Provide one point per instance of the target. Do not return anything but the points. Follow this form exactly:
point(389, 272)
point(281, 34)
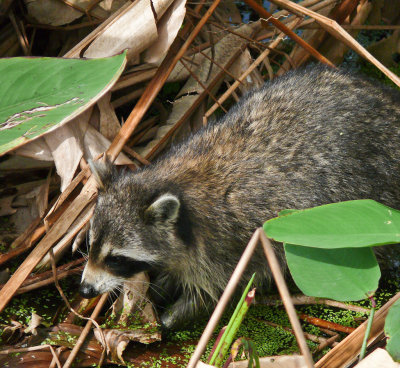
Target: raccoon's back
point(314, 136)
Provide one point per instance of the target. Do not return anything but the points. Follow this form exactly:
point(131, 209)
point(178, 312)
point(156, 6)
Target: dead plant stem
point(254, 65)
point(287, 301)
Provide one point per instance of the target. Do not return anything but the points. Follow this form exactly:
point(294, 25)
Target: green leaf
point(338, 225)
point(39, 94)
point(341, 274)
point(392, 331)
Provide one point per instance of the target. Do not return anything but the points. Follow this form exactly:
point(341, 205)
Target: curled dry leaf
point(168, 28)
point(68, 144)
point(131, 309)
point(117, 340)
point(109, 124)
point(138, 29)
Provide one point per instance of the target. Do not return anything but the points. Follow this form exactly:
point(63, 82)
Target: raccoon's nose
point(87, 290)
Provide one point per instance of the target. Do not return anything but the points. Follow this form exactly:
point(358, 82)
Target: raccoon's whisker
point(148, 283)
point(83, 254)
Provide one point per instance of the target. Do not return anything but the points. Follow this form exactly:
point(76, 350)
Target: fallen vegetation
point(185, 64)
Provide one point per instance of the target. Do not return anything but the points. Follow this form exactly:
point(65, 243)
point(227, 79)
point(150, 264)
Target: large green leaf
point(39, 94)
point(341, 274)
point(338, 225)
point(392, 331)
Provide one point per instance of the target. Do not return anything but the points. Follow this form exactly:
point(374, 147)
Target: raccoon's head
point(130, 231)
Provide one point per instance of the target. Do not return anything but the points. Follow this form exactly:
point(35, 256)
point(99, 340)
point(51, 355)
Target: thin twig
point(287, 301)
point(278, 24)
point(22, 40)
point(301, 299)
point(254, 65)
point(135, 155)
point(326, 324)
point(48, 281)
point(322, 341)
point(202, 85)
point(220, 66)
point(90, 319)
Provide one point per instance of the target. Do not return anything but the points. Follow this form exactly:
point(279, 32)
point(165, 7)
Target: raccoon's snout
point(87, 291)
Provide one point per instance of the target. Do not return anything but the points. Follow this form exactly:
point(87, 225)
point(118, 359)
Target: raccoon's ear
point(103, 172)
point(164, 208)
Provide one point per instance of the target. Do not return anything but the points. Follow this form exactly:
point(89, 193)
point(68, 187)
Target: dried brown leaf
point(109, 123)
point(135, 30)
point(168, 28)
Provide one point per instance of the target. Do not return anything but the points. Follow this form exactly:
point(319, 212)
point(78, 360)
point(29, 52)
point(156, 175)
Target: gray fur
point(311, 137)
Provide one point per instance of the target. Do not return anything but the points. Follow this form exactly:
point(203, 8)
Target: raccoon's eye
point(114, 261)
point(125, 266)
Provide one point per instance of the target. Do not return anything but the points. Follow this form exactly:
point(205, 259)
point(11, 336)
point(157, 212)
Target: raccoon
point(311, 137)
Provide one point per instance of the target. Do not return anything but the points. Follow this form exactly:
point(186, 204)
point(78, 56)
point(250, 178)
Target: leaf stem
point(368, 329)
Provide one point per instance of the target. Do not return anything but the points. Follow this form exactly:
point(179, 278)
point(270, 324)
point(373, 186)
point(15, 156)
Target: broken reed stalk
point(326, 324)
point(33, 233)
point(38, 284)
point(278, 24)
point(338, 32)
point(59, 228)
point(85, 331)
point(287, 301)
point(155, 85)
point(254, 65)
point(90, 320)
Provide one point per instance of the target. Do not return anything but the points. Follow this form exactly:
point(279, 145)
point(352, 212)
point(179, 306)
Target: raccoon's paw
point(168, 320)
point(177, 315)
